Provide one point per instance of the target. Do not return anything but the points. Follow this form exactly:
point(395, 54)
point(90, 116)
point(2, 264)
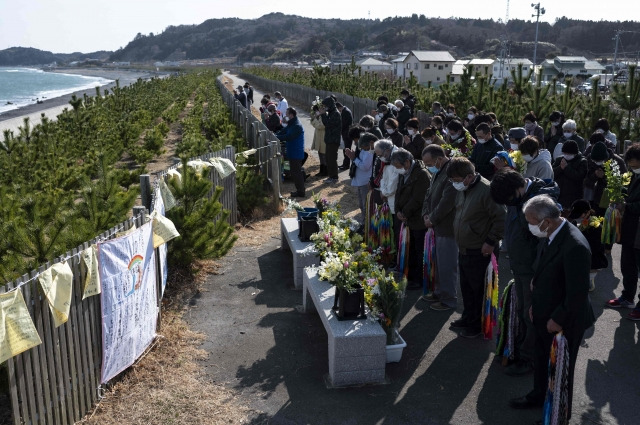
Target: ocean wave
point(61, 92)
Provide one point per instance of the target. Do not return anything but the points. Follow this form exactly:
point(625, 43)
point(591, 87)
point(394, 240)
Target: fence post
point(145, 190)
point(137, 210)
point(274, 165)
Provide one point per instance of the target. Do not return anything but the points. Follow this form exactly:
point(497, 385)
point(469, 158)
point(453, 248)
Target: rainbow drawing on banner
point(135, 264)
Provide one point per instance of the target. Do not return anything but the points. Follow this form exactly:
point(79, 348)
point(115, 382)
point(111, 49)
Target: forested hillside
point(283, 37)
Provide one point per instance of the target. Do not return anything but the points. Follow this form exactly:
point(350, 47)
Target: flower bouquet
point(323, 204)
point(519, 163)
point(384, 296)
point(614, 191)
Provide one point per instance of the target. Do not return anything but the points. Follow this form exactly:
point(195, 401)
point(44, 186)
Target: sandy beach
point(51, 108)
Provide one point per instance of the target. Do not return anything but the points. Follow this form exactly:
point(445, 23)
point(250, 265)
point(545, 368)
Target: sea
point(24, 86)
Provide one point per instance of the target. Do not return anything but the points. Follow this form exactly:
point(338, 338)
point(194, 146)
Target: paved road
point(276, 357)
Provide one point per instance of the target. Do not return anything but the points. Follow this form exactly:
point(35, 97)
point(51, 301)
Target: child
point(591, 227)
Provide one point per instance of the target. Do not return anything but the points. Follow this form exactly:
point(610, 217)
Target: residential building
point(502, 67)
point(374, 65)
point(398, 64)
point(570, 66)
point(427, 66)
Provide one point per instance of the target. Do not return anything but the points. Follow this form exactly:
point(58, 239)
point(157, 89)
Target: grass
point(166, 386)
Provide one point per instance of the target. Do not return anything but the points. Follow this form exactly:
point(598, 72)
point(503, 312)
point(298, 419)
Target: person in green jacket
point(478, 226)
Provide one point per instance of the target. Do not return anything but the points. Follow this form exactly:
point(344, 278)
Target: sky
point(65, 26)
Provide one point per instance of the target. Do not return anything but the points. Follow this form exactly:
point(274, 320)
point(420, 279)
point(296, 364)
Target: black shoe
point(525, 403)
point(343, 168)
point(459, 324)
point(297, 195)
point(519, 368)
point(470, 333)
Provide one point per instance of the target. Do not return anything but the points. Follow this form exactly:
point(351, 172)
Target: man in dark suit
point(347, 120)
point(560, 288)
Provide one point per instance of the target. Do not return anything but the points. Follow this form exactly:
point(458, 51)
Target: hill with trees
point(277, 36)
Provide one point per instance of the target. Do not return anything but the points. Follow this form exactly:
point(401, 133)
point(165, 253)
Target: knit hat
point(599, 152)
point(517, 133)
point(570, 147)
point(578, 208)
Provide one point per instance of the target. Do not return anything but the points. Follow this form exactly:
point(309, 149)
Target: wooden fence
point(304, 95)
point(58, 381)
point(268, 152)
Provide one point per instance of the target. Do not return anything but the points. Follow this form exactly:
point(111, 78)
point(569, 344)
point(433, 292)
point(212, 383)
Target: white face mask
point(401, 171)
point(383, 159)
point(636, 170)
point(471, 116)
point(390, 130)
point(569, 157)
point(482, 141)
point(449, 114)
point(535, 230)
point(514, 147)
point(379, 117)
point(284, 124)
point(555, 123)
point(411, 132)
point(599, 163)
point(600, 131)
point(454, 137)
point(567, 135)
point(527, 158)
point(459, 186)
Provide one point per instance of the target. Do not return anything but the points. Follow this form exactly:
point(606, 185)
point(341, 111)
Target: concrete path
point(276, 357)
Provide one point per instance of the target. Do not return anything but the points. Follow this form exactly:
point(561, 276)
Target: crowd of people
point(457, 181)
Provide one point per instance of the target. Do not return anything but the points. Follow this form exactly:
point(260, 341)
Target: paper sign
point(168, 199)
point(56, 284)
point(17, 331)
point(128, 300)
point(175, 174)
point(223, 166)
point(162, 249)
point(163, 229)
point(92, 280)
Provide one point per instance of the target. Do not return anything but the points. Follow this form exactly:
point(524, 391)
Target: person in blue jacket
point(293, 135)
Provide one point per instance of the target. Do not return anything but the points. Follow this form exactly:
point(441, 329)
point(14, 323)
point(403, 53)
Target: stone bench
point(289, 232)
point(357, 348)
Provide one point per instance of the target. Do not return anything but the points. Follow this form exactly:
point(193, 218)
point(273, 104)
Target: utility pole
point(615, 53)
point(539, 11)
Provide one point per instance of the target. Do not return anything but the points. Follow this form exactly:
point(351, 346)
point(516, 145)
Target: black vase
point(349, 305)
point(307, 226)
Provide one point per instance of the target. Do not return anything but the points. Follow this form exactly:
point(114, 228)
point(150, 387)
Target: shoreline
point(54, 106)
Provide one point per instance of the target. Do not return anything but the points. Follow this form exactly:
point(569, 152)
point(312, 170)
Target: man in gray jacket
point(478, 227)
point(438, 211)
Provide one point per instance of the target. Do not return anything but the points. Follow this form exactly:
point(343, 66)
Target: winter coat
point(375, 130)
point(440, 203)
point(522, 244)
point(332, 121)
point(318, 135)
point(347, 120)
point(631, 214)
point(478, 218)
point(598, 184)
point(415, 146)
point(386, 116)
point(273, 122)
point(242, 98)
point(570, 180)
point(550, 141)
point(404, 115)
point(593, 235)
point(396, 138)
point(482, 155)
point(538, 133)
point(410, 195)
point(293, 134)
point(540, 166)
point(389, 185)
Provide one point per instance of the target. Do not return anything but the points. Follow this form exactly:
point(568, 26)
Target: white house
point(374, 65)
point(428, 66)
point(570, 66)
point(398, 64)
point(502, 67)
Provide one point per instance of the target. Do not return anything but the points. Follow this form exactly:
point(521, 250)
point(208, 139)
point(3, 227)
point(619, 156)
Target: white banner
point(129, 308)
point(162, 249)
